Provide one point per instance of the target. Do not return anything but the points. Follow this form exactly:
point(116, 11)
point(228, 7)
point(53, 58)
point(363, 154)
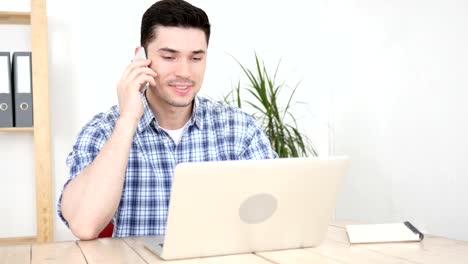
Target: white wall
point(394, 68)
point(400, 111)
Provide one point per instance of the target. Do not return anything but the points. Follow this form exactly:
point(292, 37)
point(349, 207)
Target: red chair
point(107, 231)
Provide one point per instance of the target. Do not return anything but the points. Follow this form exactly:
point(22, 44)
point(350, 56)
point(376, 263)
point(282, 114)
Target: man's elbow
point(86, 231)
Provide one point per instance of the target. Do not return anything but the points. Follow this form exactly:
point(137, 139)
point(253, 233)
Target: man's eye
point(168, 58)
point(196, 59)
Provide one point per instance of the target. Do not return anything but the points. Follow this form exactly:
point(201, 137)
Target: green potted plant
point(278, 122)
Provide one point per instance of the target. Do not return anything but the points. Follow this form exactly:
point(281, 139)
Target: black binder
point(22, 82)
point(6, 99)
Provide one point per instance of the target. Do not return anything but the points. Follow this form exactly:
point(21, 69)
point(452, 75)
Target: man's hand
point(135, 76)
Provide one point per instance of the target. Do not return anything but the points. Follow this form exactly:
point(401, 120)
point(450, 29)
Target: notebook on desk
point(229, 207)
point(383, 233)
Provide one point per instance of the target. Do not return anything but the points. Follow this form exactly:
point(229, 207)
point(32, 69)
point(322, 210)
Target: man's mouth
point(181, 87)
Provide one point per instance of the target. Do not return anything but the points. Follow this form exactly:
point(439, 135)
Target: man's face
point(178, 56)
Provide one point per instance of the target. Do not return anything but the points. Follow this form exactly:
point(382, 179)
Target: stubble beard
point(176, 102)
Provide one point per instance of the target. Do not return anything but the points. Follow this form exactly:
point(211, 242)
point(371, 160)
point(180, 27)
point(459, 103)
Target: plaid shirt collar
point(148, 116)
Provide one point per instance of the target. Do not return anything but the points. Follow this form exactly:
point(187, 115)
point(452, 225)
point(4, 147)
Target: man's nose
point(183, 69)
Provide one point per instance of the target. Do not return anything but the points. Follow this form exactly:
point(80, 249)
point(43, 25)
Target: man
point(122, 163)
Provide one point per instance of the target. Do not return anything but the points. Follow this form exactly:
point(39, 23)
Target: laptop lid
point(228, 207)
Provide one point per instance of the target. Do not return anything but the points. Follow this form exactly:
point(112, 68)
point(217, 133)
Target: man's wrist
point(127, 123)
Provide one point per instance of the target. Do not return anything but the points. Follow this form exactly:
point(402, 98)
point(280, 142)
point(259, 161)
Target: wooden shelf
point(15, 18)
point(37, 18)
point(16, 129)
point(40, 72)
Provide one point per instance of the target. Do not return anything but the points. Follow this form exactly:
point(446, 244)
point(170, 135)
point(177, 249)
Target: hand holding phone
point(135, 79)
point(141, 54)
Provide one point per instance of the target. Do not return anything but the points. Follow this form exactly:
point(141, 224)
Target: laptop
point(232, 207)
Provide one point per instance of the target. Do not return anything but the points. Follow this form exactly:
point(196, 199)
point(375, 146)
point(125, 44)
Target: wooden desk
point(335, 249)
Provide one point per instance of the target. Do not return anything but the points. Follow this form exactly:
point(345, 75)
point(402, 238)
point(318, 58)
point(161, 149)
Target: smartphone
point(141, 54)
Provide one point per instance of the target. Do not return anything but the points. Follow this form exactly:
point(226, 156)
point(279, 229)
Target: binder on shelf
point(6, 91)
point(22, 83)
point(384, 233)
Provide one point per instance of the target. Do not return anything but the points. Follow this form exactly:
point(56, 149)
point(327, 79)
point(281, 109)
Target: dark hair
point(172, 13)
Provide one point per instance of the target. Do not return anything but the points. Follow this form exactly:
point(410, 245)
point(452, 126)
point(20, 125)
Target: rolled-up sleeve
point(256, 144)
point(86, 148)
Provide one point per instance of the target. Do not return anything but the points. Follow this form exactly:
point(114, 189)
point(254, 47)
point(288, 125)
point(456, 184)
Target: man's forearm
point(90, 200)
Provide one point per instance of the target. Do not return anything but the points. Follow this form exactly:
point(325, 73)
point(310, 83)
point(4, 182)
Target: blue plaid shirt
point(214, 132)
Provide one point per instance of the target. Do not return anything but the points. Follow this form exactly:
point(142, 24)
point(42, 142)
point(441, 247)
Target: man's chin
point(180, 103)
point(174, 100)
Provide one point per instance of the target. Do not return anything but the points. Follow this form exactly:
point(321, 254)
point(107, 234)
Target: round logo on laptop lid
point(257, 208)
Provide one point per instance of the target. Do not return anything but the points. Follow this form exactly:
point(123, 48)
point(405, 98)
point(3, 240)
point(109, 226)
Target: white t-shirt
point(176, 134)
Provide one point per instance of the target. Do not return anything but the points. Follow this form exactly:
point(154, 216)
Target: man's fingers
point(144, 79)
point(141, 71)
point(150, 72)
point(138, 63)
point(141, 62)
point(152, 81)
point(137, 80)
